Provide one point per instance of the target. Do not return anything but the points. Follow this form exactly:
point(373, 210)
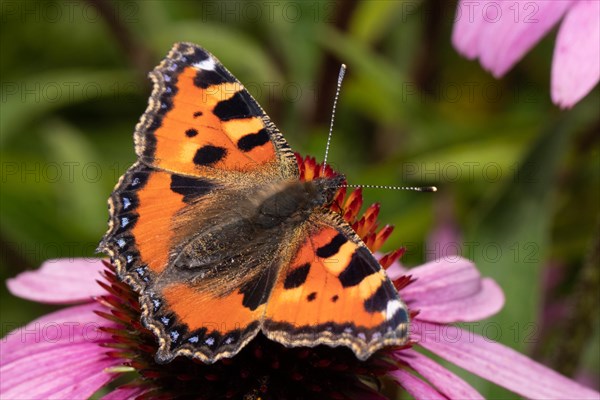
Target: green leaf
point(83, 195)
point(372, 19)
point(27, 101)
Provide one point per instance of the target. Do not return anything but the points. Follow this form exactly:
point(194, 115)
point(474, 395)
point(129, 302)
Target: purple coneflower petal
point(499, 364)
point(442, 280)
point(60, 281)
point(446, 382)
point(487, 301)
point(451, 290)
point(506, 41)
point(466, 31)
point(415, 386)
point(76, 371)
point(57, 355)
point(576, 63)
point(501, 33)
point(66, 327)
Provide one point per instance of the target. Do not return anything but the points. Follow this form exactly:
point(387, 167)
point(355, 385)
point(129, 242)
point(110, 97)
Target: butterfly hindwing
point(214, 291)
point(335, 292)
point(142, 208)
point(200, 295)
point(200, 324)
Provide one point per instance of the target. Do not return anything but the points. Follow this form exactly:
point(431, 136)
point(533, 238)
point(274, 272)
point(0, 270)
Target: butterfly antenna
point(411, 188)
point(335, 100)
point(337, 94)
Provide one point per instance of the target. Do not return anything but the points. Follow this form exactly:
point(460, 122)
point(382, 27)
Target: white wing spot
point(210, 341)
point(392, 307)
point(207, 65)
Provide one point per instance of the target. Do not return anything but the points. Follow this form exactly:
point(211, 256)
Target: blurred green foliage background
point(519, 179)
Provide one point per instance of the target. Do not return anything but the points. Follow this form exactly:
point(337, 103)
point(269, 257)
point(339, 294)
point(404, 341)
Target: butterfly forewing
point(200, 118)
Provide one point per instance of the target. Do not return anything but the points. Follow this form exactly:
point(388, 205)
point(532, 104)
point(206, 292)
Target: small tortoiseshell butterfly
point(215, 231)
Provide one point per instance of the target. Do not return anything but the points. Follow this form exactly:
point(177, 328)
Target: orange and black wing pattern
point(143, 207)
point(194, 230)
point(334, 292)
point(201, 134)
point(201, 121)
point(188, 319)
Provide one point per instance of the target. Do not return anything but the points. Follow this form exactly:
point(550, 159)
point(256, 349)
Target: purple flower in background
point(500, 33)
point(74, 352)
point(445, 239)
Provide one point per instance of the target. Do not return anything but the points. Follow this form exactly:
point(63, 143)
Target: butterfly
point(214, 230)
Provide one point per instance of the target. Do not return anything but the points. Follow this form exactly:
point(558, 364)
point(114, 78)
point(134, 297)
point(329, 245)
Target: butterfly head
point(326, 188)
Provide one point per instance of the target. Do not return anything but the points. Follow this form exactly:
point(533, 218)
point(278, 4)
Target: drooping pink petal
point(498, 363)
point(124, 393)
point(57, 355)
point(452, 290)
point(415, 386)
point(576, 63)
point(60, 281)
point(500, 33)
point(446, 382)
point(442, 280)
point(467, 28)
point(482, 304)
point(62, 372)
point(73, 325)
point(507, 40)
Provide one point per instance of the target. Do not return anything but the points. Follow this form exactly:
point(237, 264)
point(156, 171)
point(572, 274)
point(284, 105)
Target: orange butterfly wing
point(202, 131)
point(201, 119)
point(204, 138)
point(145, 207)
point(334, 292)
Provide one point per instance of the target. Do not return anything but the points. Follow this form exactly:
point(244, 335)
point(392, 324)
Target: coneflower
point(75, 352)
